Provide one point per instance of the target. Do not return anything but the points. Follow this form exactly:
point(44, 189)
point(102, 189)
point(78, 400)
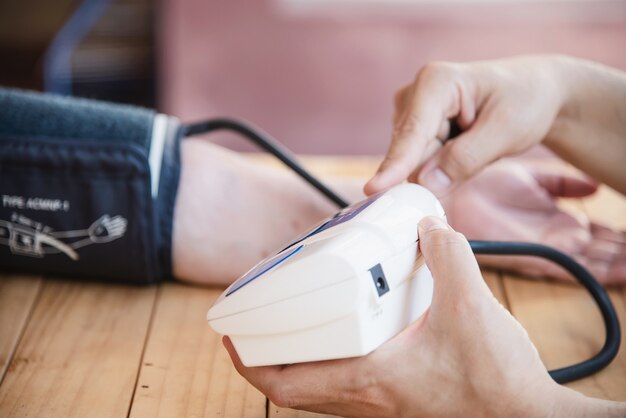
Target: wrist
point(575, 78)
point(537, 399)
point(569, 403)
point(561, 68)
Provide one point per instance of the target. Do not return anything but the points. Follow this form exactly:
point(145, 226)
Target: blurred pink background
point(320, 75)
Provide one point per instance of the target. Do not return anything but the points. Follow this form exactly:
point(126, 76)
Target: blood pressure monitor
point(341, 290)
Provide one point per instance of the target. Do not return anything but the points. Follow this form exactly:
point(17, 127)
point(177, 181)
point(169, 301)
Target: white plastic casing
point(317, 299)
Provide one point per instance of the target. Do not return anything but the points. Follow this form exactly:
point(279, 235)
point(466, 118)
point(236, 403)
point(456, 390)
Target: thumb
point(564, 184)
point(464, 156)
point(451, 262)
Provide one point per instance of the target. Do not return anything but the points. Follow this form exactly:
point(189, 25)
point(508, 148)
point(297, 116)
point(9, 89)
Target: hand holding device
point(466, 354)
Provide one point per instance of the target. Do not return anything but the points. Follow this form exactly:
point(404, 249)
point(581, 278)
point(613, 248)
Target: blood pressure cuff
point(87, 188)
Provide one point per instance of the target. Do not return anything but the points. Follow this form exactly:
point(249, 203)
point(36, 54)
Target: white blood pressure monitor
point(341, 290)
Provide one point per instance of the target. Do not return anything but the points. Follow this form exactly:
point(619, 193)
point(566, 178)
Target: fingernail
point(432, 223)
point(436, 181)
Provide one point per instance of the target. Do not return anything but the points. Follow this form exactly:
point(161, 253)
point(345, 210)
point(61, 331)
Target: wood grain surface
point(186, 372)
point(80, 351)
point(17, 298)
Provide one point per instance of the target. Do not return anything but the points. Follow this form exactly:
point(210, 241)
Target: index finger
point(259, 377)
point(433, 99)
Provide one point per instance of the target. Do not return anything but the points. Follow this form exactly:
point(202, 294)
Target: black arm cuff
point(87, 189)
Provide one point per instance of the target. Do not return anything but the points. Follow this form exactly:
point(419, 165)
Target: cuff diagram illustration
point(30, 238)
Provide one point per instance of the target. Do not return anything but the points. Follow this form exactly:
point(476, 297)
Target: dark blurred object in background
point(318, 74)
point(113, 61)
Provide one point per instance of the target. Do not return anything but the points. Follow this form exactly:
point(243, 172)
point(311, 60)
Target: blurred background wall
point(111, 57)
point(317, 74)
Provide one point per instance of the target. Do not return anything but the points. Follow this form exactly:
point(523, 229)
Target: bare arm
point(590, 129)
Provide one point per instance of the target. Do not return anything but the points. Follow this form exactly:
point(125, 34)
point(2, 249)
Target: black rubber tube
point(266, 142)
point(611, 324)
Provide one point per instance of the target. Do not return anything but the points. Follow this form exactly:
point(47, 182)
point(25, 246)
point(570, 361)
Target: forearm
point(590, 129)
point(232, 211)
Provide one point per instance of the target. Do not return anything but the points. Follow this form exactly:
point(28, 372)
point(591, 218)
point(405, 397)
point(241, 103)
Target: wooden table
point(95, 349)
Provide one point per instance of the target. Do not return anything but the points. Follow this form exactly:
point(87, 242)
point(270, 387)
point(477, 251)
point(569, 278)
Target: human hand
point(510, 201)
point(106, 229)
point(465, 356)
point(503, 107)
